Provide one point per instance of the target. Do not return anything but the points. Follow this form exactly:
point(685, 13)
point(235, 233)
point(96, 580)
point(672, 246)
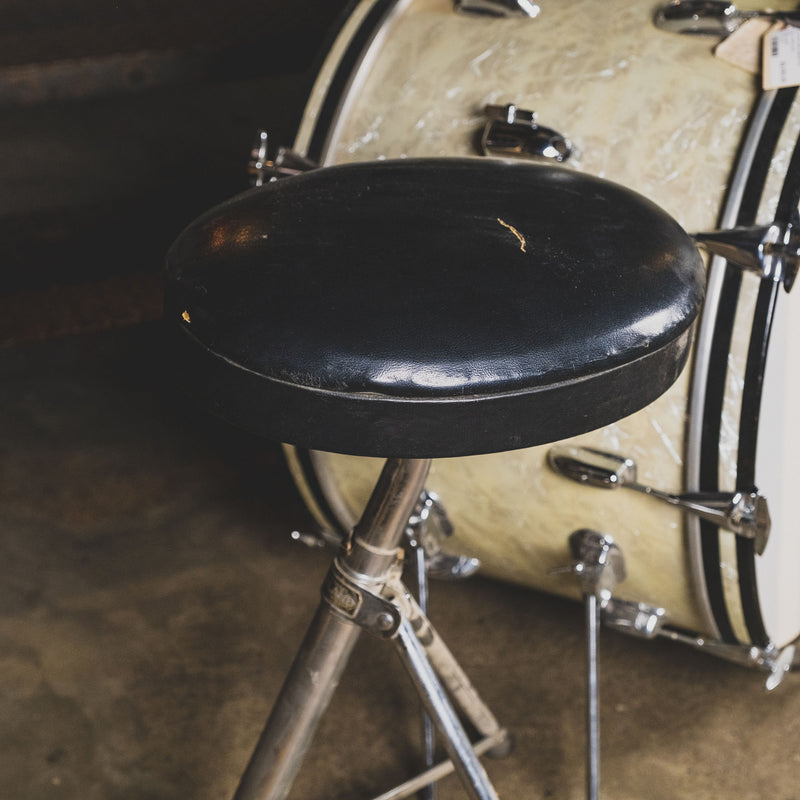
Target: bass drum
point(656, 112)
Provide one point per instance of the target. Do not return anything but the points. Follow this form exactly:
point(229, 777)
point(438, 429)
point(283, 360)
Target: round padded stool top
point(431, 307)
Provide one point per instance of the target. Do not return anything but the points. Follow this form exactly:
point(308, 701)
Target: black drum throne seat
point(418, 309)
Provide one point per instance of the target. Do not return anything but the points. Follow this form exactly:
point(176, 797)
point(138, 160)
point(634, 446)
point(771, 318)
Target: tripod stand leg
point(307, 691)
point(370, 554)
point(449, 670)
point(467, 766)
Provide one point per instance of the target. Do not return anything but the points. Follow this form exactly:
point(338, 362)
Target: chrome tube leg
point(466, 763)
point(449, 671)
point(305, 695)
point(371, 553)
point(592, 698)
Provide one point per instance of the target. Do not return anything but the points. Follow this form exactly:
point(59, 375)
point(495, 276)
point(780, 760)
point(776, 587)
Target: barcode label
point(782, 58)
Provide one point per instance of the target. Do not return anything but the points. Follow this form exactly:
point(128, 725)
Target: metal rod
point(445, 665)
point(427, 792)
point(440, 771)
point(306, 694)
point(377, 535)
point(592, 699)
point(467, 766)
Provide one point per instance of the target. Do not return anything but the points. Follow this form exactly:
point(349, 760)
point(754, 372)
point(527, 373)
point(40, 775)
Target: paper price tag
point(781, 58)
point(744, 48)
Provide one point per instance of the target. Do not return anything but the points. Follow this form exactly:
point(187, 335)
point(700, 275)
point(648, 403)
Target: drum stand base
point(363, 590)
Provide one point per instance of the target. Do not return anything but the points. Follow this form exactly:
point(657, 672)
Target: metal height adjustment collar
point(357, 604)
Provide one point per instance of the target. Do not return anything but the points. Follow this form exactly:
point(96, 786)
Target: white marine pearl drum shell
point(651, 110)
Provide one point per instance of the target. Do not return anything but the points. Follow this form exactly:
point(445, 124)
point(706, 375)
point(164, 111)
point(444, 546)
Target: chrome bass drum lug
point(498, 8)
point(513, 132)
point(713, 17)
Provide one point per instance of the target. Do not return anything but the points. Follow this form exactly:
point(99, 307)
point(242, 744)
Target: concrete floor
point(151, 601)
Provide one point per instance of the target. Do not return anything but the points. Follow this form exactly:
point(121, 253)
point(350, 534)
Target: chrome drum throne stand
point(413, 310)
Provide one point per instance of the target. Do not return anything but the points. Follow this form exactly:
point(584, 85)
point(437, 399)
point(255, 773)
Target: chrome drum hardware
point(498, 8)
point(713, 17)
point(772, 251)
point(428, 527)
point(647, 622)
point(514, 133)
point(742, 513)
point(599, 565)
point(286, 163)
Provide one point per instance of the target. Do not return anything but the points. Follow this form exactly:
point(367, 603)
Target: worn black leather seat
point(431, 308)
